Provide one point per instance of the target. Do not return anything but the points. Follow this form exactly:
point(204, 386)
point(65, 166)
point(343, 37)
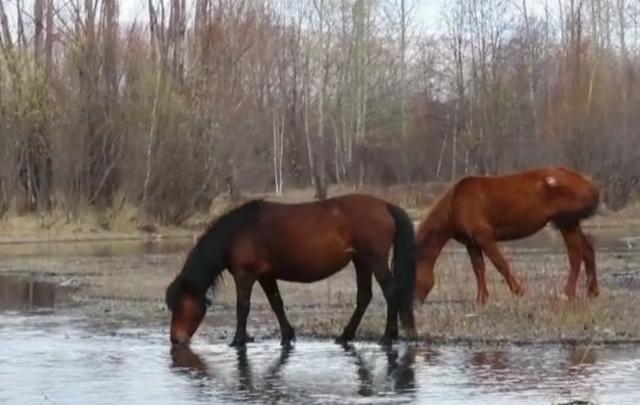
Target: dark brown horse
point(480, 211)
point(266, 241)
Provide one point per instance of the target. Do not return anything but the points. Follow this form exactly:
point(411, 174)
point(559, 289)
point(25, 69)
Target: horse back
point(309, 241)
point(520, 204)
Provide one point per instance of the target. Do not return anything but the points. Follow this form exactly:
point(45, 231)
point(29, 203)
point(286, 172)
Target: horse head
point(188, 308)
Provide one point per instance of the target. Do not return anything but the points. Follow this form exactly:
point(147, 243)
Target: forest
point(192, 99)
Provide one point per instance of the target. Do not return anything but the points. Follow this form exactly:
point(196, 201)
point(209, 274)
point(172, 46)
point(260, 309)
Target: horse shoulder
point(243, 249)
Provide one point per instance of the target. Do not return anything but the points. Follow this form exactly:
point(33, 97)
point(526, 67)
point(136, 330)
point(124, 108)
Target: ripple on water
point(65, 360)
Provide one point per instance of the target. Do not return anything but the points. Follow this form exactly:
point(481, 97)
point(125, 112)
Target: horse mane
point(208, 258)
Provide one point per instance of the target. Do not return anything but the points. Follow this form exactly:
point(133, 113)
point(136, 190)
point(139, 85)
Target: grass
point(131, 285)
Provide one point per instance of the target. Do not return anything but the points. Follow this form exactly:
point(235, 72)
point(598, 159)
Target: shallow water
point(52, 353)
point(64, 359)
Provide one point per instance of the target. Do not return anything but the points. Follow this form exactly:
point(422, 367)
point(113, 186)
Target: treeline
point(196, 98)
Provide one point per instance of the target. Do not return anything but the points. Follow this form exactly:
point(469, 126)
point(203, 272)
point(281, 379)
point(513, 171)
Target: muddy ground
point(124, 281)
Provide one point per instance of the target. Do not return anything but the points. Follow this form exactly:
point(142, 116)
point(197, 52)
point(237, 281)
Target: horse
point(479, 211)
point(306, 242)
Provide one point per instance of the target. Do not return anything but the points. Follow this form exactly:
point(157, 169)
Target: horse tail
point(404, 266)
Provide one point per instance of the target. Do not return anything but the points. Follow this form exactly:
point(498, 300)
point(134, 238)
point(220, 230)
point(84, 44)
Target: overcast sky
point(427, 15)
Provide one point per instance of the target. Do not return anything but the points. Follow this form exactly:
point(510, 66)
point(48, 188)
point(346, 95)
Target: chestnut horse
point(267, 241)
point(480, 211)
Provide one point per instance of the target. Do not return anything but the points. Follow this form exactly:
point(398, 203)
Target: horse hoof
point(386, 341)
point(343, 340)
point(568, 295)
point(412, 335)
point(241, 342)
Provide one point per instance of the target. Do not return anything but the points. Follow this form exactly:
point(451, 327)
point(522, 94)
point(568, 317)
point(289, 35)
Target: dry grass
point(126, 221)
point(117, 285)
point(132, 285)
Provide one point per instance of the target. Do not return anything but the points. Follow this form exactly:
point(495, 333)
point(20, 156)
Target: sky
point(427, 15)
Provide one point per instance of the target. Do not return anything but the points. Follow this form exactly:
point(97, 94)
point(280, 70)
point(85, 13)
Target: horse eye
point(207, 302)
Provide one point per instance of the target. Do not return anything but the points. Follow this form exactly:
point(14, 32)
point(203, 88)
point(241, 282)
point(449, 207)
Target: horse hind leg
point(363, 282)
point(477, 262)
point(589, 258)
point(490, 248)
point(270, 287)
point(574, 243)
point(385, 279)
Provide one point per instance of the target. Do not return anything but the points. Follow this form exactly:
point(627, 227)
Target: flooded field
point(85, 323)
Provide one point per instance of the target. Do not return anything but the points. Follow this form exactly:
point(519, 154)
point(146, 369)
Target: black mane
point(208, 258)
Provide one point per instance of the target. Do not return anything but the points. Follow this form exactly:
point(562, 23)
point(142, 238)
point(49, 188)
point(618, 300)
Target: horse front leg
point(573, 242)
point(589, 258)
point(477, 262)
point(270, 287)
point(490, 248)
point(244, 285)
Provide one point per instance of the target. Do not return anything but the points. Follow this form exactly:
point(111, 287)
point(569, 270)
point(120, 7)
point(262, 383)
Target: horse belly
point(520, 231)
point(311, 268)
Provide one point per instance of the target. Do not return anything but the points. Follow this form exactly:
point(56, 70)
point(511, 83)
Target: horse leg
point(477, 261)
point(270, 287)
point(573, 241)
point(244, 285)
point(363, 280)
point(385, 280)
point(589, 258)
point(490, 248)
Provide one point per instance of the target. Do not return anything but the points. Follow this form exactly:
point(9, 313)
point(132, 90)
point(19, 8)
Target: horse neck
point(203, 265)
point(434, 232)
point(208, 258)
point(432, 236)
point(431, 240)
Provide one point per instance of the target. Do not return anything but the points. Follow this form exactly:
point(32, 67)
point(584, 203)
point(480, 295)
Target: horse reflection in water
point(398, 377)
point(399, 371)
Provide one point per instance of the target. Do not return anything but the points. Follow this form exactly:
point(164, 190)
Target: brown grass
point(128, 285)
point(119, 285)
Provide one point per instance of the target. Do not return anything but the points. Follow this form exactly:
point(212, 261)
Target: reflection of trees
point(522, 370)
point(18, 293)
point(580, 360)
point(398, 376)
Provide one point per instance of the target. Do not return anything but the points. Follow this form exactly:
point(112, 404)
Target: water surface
point(53, 353)
point(66, 359)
